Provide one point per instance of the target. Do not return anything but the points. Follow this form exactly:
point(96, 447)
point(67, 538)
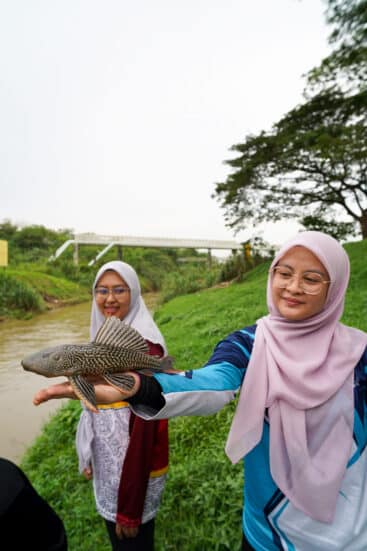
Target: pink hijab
point(302, 372)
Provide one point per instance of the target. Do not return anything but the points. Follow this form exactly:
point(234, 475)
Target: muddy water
point(20, 420)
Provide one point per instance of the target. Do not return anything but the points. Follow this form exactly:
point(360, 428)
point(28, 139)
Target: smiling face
point(113, 303)
point(292, 302)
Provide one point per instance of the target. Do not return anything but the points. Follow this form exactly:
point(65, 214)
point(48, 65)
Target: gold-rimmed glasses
point(310, 282)
point(118, 292)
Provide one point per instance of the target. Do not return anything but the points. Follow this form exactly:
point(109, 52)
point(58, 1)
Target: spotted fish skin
point(88, 359)
point(116, 348)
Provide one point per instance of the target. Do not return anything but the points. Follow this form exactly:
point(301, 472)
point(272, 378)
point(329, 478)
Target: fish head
point(50, 362)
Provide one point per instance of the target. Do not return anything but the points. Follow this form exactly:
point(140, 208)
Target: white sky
point(116, 116)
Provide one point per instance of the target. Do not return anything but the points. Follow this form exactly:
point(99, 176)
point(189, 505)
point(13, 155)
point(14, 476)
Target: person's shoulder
point(239, 338)
point(8, 468)
point(246, 333)
point(360, 371)
point(363, 360)
point(12, 482)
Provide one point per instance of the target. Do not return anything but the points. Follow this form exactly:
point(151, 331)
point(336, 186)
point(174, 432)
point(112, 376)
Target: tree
point(312, 164)
point(7, 230)
point(347, 62)
point(39, 237)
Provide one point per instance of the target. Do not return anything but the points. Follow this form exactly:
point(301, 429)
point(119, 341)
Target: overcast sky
point(116, 115)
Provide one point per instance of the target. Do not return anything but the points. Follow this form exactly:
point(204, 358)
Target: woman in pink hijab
point(301, 418)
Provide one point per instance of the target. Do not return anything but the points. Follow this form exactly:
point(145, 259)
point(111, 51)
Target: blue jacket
point(270, 521)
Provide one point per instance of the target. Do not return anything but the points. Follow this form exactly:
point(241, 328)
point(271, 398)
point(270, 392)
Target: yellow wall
point(3, 253)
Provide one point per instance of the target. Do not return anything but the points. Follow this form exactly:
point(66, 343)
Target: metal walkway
point(132, 241)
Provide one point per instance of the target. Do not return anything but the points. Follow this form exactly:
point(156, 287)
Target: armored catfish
point(116, 348)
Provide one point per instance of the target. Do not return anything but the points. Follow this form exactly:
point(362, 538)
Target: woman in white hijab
point(126, 456)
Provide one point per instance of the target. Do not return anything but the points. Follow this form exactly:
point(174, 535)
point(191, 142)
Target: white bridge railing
point(132, 241)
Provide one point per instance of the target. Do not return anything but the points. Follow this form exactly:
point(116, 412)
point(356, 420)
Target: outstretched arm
point(105, 394)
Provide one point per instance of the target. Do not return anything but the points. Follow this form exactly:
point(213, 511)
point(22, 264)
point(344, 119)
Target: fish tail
point(167, 364)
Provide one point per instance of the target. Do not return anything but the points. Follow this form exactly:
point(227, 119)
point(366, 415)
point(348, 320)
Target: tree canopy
point(349, 21)
point(312, 165)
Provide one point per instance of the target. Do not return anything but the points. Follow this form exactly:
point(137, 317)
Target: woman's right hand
point(105, 394)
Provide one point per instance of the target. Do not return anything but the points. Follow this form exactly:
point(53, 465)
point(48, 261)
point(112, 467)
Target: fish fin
point(149, 371)
point(121, 381)
point(115, 332)
point(166, 366)
point(85, 392)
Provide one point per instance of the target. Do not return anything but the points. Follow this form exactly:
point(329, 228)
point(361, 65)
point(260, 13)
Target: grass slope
point(202, 503)
point(24, 293)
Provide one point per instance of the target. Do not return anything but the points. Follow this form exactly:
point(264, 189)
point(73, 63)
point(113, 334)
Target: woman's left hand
point(126, 531)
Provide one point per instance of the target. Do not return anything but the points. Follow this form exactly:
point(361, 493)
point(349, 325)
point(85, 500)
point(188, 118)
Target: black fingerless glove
point(149, 393)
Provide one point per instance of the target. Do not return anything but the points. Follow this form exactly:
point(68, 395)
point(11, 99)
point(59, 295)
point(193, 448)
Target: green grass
point(51, 286)
point(27, 292)
point(202, 502)
point(356, 300)
point(17, 297)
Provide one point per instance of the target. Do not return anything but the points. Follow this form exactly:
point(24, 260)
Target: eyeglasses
point(118, 292)
point(310, 282)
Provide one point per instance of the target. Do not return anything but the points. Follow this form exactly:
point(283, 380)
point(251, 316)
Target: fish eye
point(56, 357)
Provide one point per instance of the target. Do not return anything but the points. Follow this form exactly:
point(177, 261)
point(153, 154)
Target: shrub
point(233, 268)
point(188, 279)
point(17, 296)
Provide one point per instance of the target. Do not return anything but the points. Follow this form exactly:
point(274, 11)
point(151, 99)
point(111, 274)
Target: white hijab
point(138, 315)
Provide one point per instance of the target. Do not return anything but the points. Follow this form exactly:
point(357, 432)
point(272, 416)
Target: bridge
point(121, 241)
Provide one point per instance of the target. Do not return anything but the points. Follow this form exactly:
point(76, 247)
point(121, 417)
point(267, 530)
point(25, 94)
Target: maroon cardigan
point(147, 452)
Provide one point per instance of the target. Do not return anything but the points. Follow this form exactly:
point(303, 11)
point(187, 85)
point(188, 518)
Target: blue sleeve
point(224, 370)
point(206, 390)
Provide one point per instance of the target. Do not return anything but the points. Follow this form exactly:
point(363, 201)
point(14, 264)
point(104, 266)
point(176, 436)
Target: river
point(20, 420)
